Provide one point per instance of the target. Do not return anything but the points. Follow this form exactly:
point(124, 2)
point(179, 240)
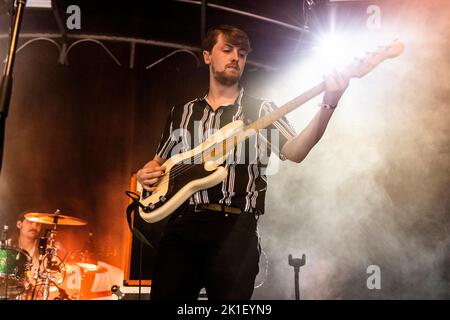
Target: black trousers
point(209, 249)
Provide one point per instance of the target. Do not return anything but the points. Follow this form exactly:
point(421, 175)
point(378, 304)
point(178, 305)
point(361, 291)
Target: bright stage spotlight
point(336, 51)
point(332, 50)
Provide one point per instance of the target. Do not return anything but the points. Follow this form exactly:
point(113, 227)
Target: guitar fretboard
point(265, 121)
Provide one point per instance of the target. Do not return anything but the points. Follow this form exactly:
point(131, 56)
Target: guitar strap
point(133, 208)
point(132, 212)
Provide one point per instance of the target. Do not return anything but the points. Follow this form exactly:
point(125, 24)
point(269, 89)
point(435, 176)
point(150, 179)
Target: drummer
point(29, 233)
point(28, 238)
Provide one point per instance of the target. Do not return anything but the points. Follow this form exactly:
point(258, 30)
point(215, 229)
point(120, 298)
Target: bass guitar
point(202, 167)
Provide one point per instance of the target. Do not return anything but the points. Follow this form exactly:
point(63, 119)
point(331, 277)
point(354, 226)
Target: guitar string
point(199, 156)
point(182, 168)
point(229, 141)
point(185, 167)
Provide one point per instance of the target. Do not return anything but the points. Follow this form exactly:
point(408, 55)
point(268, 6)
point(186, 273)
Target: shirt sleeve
point(278, 132)
point(167, 140)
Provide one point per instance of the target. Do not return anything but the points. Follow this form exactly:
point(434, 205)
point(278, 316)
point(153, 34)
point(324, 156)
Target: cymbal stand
point(50, 263)
point(51, 252)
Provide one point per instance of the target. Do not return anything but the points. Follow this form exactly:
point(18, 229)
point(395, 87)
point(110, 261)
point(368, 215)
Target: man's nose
point(235, 55)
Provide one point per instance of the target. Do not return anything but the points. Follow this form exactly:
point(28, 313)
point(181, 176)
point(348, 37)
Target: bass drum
point(14, 265)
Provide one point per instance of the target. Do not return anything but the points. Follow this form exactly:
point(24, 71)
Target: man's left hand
point(335, 86)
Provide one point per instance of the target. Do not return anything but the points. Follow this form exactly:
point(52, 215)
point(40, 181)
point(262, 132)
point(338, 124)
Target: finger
point(338, 76)
point(330, 83)
point(340, 81)
point(343, 81)
point(151, 181)
point(147, 170)
point(335, 74)
point(162, 169)
point(337, 81)
point(148, 183)
point(151, 173)
point(146, 187)
point(151, 168)
point(157, 174)
point(143, 179)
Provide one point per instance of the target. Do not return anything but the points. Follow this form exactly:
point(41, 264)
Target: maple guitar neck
point(273, 116)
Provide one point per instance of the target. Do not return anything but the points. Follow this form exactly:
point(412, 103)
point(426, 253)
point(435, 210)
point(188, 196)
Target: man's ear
point(206, 57)
point(19, 224)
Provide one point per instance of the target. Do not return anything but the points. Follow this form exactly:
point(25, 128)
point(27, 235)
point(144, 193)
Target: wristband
point(327, 106)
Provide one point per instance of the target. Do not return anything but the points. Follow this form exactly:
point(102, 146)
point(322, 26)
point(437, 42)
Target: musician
point(28, 233)
point(211, 241)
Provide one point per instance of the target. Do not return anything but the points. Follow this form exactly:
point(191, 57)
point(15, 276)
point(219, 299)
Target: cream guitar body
point(189, 172)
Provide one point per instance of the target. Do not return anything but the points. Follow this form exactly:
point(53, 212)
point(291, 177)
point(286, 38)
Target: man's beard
point(224, 78)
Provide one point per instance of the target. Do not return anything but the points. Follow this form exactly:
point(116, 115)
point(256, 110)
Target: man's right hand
point(150, 174)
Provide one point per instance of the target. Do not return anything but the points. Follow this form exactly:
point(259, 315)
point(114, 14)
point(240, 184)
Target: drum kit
point(53, 278)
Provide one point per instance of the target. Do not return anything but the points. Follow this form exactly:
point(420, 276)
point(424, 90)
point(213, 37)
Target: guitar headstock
point(363, 66)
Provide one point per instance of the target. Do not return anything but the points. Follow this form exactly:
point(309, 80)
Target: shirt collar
point(236, 102)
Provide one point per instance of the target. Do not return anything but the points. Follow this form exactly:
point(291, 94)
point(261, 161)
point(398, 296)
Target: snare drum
point(14, 264)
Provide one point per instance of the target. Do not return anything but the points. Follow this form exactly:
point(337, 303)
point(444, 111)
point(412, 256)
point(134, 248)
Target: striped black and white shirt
point(245, 187)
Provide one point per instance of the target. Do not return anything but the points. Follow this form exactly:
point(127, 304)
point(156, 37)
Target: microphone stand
point(140, 269)
point(297, 263)
point(7, 80)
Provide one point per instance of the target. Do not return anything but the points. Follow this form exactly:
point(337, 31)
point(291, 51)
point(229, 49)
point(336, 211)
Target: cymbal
point(49, 218)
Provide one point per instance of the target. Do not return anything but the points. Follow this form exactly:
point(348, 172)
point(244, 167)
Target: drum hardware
point(49, 266)
point(115, 290)
point(4, 236)
point(4, 240)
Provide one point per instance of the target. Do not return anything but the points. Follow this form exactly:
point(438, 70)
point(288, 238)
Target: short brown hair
point(234, 35)
point(20, 216)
